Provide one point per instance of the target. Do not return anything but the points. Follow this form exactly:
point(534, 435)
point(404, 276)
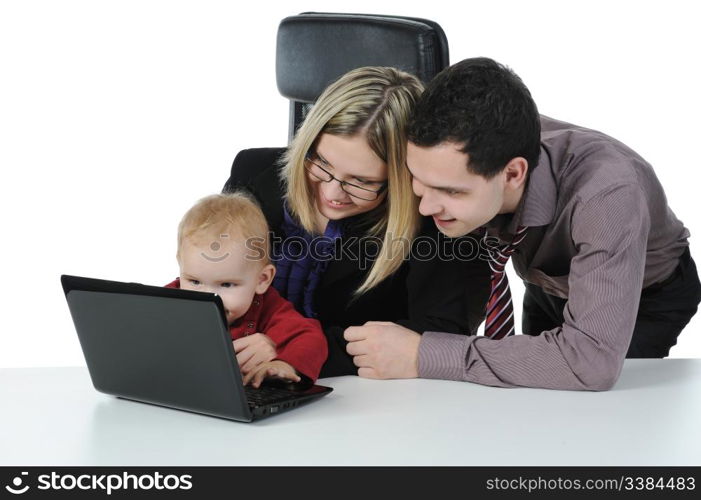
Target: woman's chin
point(336, 212)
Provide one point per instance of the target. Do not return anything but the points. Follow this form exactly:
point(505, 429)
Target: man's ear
point(516, 172)
point(265, 278)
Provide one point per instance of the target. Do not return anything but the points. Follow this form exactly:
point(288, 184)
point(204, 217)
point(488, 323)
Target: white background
point(116, 116)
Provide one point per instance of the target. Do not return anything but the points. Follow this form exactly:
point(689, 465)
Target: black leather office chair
point(315, 48)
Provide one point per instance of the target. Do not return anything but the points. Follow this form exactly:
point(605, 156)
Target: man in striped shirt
point(584, 219)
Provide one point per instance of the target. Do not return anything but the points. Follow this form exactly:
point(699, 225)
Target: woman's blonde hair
point(376, 102)
point(236, 214)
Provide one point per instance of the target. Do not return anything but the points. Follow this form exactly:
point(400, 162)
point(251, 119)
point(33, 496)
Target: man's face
point(458, 201)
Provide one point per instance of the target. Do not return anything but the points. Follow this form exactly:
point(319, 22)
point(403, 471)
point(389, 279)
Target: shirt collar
point(538, 203)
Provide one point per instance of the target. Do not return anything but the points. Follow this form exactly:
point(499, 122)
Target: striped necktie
point(500, 310)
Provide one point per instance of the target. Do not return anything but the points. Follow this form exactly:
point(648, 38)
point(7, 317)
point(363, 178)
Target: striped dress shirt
point(600, 230)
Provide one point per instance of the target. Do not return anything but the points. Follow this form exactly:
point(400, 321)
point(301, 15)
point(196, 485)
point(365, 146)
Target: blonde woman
point(348, 241)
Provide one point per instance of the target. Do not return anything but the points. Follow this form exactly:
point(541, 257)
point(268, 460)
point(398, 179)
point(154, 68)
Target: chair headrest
point(314, 49)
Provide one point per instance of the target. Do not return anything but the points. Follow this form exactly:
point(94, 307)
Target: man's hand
point(274, 369)
point(383, 350)
point(253, 350)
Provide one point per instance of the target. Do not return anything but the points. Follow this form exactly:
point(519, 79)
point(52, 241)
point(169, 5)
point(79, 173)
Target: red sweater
point(299, 341)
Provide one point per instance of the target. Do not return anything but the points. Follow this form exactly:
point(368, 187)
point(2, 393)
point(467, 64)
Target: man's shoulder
point(585, 161)
point(570, 141)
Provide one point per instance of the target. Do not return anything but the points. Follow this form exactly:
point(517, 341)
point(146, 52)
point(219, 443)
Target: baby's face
point(217, 265)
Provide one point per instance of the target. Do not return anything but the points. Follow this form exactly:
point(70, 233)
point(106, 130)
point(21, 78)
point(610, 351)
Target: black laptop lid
point(148, 344)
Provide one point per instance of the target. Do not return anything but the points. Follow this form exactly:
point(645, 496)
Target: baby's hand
point(253, 350)
point(271, 369)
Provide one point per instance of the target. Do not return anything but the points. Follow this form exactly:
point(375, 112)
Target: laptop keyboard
point(267, 395)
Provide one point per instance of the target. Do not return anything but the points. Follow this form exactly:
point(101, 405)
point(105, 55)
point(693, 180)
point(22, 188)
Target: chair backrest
point(314, 49)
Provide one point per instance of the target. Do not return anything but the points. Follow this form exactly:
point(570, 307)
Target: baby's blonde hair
point(235, 213)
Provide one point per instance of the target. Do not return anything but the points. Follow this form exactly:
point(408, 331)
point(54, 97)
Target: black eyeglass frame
point(310, 157)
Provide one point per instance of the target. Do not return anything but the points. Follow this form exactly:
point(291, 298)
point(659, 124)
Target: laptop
point(172, 348)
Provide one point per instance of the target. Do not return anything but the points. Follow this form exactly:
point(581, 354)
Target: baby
point(223, 248)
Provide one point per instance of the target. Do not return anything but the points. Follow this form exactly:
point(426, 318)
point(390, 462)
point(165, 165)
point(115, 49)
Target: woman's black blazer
point(442, 294)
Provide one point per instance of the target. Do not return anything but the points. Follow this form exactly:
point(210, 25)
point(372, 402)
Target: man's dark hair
point(484, 106)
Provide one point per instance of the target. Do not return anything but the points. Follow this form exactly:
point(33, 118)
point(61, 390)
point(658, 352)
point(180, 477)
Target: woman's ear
point(265, 278)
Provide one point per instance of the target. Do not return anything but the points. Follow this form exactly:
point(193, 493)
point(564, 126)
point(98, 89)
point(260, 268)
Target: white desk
point(53, 416)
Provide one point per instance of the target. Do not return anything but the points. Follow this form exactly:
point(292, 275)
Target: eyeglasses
point(323, 175)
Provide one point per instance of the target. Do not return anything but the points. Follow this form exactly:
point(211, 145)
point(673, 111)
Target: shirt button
point(250, 324)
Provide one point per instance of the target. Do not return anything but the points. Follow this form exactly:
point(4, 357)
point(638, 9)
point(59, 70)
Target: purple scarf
point(301, 259)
